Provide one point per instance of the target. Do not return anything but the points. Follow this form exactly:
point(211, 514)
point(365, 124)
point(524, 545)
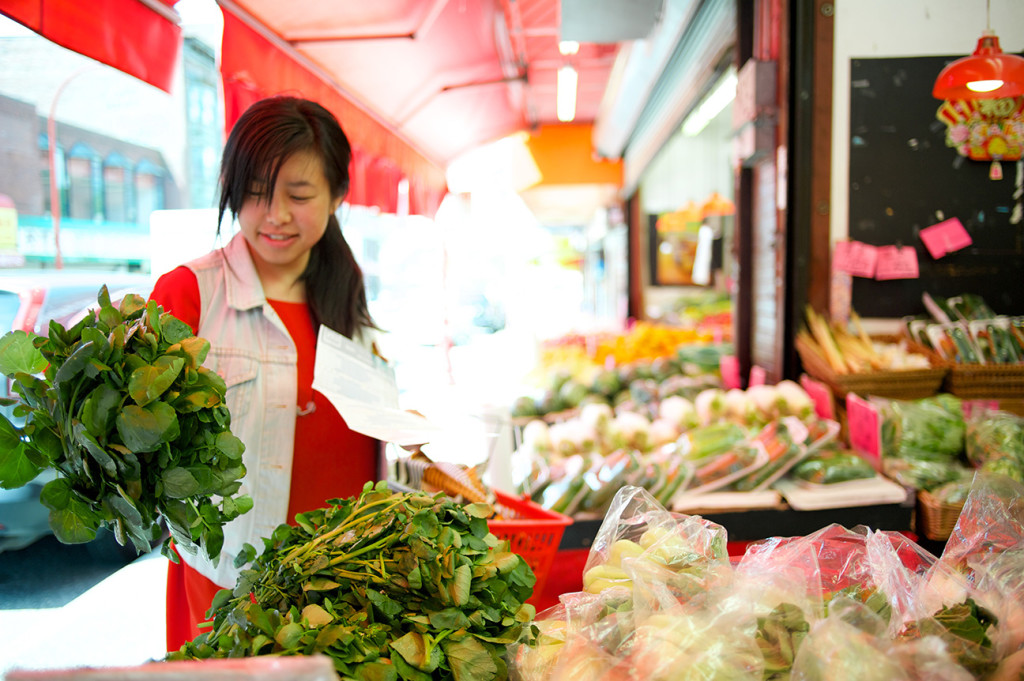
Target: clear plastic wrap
point(986, 548)
point(662, 601)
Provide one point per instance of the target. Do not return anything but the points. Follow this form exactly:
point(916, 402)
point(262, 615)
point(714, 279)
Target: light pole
point(51, 139)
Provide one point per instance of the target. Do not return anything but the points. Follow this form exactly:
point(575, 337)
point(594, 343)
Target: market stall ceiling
point(447, 75)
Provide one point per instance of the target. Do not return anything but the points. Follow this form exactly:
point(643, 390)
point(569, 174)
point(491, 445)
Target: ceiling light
point(712, 105)
point(568, 47)
point(988, 73)
point(566, 96)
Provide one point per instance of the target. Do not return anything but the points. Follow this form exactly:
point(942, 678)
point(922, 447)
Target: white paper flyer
point(362, 387)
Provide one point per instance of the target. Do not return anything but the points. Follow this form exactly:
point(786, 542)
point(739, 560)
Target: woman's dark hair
point(267, 134)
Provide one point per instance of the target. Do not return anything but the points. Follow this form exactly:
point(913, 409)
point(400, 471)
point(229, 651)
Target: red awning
point(254, 67)
point(139, 37)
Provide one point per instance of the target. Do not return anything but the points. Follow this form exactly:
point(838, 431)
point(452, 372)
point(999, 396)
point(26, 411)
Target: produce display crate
point(936, 518)
point(904, 384)
point(532, 531)
point(976, 381)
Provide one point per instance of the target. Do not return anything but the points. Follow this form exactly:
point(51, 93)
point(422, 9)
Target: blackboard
point(903, 178)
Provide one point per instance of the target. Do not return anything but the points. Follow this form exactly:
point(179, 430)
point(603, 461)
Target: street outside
point(72, 606)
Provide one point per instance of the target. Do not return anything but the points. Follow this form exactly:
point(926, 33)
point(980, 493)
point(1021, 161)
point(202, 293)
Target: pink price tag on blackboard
point(945, 237)
point(855, 257)
point(757, 376)
point(821, 396)
point(729, 365)
point(864, 424)
point(896, 263)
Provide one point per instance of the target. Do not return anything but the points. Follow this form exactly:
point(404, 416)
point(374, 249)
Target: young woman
point(259, 301)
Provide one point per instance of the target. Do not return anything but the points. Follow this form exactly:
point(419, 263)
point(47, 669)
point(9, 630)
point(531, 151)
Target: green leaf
point(179, 483)
point(98, 454)
point(125, 508)
point(131, 305)
point(150, 382)
point(449, 618)
point(99, 409)
point(144, 429)
point(460, 586)
point(316, 615)
point(469, 659)
point(75, 524)
point(376, 671)
point(75, 363)
point(289, 635)
point(173, 330)
point(56, 494)
point(16, 469)
point(230, 446)
point(18, 354)
point(408, 672)
point(479, 510)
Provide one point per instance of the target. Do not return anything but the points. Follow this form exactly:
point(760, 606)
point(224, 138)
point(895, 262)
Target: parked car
point(29, 299)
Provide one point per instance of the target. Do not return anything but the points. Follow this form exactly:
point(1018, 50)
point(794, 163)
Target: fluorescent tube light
point(566, 96)
point(723, 93)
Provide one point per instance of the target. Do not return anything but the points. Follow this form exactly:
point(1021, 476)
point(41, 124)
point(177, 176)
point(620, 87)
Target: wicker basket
point(936, 518)
point(996, 381)
point(903, 384)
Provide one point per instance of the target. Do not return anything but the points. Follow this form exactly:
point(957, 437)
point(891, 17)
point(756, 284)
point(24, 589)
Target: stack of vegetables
point(685, 371)
point(736, 440)
point(662, 601)
point(388, 585)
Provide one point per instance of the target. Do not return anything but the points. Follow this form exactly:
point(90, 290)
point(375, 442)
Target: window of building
point(115, 204)
point(149, 189)
point(81, 201)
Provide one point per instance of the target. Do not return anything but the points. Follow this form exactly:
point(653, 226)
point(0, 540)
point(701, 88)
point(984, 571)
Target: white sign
point(362, 387)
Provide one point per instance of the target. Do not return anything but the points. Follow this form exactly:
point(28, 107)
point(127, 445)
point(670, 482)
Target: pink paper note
point(821, 395)
point(855, 257)
point(841, 256)
point(863, 259)
point(864, 424)
point(729, 365)
point(757, 375)
point(895, 262)
point(945, 237)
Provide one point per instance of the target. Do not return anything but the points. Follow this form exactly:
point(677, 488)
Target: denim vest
point(252, 351)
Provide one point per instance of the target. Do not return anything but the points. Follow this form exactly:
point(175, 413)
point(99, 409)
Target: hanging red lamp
point(988, 73)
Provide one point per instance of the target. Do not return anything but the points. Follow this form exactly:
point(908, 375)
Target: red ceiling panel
point(445, 75)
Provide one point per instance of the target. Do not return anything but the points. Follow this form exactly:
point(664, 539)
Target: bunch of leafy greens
point(964, 628)
point(389, 585)
point(120, 406)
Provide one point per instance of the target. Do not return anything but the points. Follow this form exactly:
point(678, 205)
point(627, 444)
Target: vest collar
point(244, 290)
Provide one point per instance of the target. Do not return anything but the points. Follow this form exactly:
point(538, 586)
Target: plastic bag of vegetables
point(932, 428)
point(851, 643)
point(682, 555)
point(986, 548)
point(995, 442)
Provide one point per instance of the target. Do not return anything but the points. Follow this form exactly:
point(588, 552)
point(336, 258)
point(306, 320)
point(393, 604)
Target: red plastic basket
point(532, 531)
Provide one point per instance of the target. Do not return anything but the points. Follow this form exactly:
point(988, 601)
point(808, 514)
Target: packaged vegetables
point(738, 440)
point(965, 330)
point(663, 601)
point(388, 585)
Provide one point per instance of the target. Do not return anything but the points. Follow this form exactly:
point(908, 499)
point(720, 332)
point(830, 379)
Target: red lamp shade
point(989, 73)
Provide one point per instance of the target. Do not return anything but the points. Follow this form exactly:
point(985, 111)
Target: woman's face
point(281, 227)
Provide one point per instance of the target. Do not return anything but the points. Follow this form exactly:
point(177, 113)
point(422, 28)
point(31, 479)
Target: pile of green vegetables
point(388, 585)
point(120, 406)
